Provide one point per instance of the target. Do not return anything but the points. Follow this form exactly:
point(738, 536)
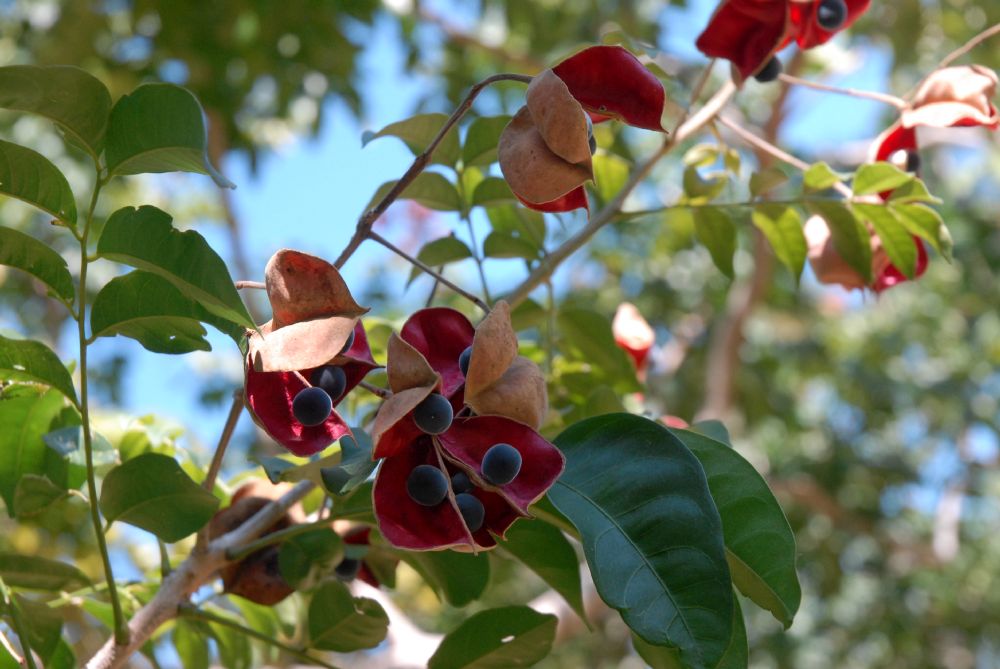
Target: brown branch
point(970, 45)
point(235, 410)
point(257, 285)
point(384, 393)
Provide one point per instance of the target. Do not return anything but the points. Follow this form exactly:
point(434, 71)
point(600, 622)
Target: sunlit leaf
point(507, 637)
point(819, 176)
point(29, 176)
point(896, 239)
point(34, 257)
point(430, 189)
point(926, 223)
point(879, 177)
point(715, 229)
point(850, 236)
point(782, 227)
point(481, 140)
point(29, 360)
point(38, 573)
point(25, 417)
point(417, 132)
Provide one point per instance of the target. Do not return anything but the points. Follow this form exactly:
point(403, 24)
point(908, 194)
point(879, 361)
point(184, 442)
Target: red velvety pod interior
point(808, 31)
point(468, 439)
point(745, 32)
point(575, 199)
point(440, 334)
point(611, 81)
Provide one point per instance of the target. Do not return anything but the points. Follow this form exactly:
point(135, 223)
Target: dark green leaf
point(766, 180)
point(850, 236)
point(355, 467)
point(150, 309)
point(457, 578)
point(610, 175)
point(29, 176)
point(713, 429)
point(492, 192)
point(37, 573)
point(343, 623)
point(145, 238)
point(481, 140)
point(511, 636)
point(504, 245)
point(782, 226)
point(417, 132)
point(303, 556)
point(819, 177)
point(896, 239)
point(518, 222)
point(544, 550)
point(35, 494)
point(926, 223)
point(735, 657)
point(651, 532)
point(429, 189)
point(716, 231)
point(356, 505)
point(28, 360)
point(590, 333)
point(879, 177)
point(159, 128)
point(32, 256)
point(760, 546)
point(25, 419)
point(440, 252)
point(152, 492)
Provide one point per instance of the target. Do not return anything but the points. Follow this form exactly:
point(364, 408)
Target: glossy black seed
point(473, 512)
point(426, 485)
point(347, 344)
point(460, 483)
point(463, 361)
point(434, 414)
point(347, 569)
point(501, 464)
point(831, 14)
point(912, 161)
point(330, 378)
point(312, 406)
point(770, 71)
point(590, 134)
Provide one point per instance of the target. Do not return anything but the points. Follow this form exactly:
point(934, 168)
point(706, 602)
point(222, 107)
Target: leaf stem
point(18, 623)
point(384, 393)
point(891, 100)
point(258, 285)
point(367, 220)
point(237, 553)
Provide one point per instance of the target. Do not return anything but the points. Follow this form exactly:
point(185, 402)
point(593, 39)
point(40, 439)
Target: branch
point(970, 45)
point(259, 285)
point(235, 411)
point(892, 100)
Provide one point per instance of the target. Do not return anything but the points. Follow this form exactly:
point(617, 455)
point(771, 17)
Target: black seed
point(347, 569)
point(831, 14)
point(434, 414)
point(426, 485)
point(501, 464)
point(463, 361)
point(460, 483)
point(473, 512)
point(312, 406)
point(330, 378)
point(770, 71)
point(912, 161)
point(590, 134)
point(347, 344)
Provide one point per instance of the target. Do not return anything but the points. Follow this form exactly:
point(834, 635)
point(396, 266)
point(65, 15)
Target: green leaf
point(611, 173)
point(760, 546)
point(913, 191)
point(37, 573)
point(35, 494)
point(44, 627)
point(146, 239)
point(191, 645)
point(896, 239)
point(766, 180)
point(28, 360)
point(355, 467)
point(25, 417)
point(356, 505)
point(159, 128)
point(735, 657)
point(417, 132)
point(233, 644)
point(504, 245)
point(76, 101)
point(152, 492)
point(302, 557)
point(879, 177)
point(481, 140)
point(590, 333)
point(699, 190)
point(68, 443)
point(651, 532)
point(819, 176)
point(716, 231)
point(34, 257)
point(457, 578)
point(343, 623)
point(544, 550)
point(510, 636)
point(518, 222)
point(430, 189)
point(926, 223)
point(850, 236)
point(150, 309)
point(29, 176)
point(782, 226)
point(492, 192)
point(440, 252)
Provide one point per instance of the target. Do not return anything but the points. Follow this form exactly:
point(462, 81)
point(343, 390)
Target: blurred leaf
point(527, 314)
point(701, 155)
point(34, 494)
point(735, 657)
point(233, 644)
point(34, 257)
point(511, 636)
point(22, 450)
point(152, 492)
point(29, 360)
point(343, 623)
point(302, 557)
point(33, 572)
point(670, 581)
point(715, 229)
point(879, 177)
point(896, 239)
point(698, 190)
point(76, 101)
point(713, 429)
point(760, 546)
point(765, 181)
point(782, 226)
point(492, 192)
point(590, 333)
point(926, 223)
point(145, 238)
point(544, 550)
point(850, 236)
point(417, 132)
point(191, 645)
point(457, 578)
point(611, 173)
point(440, 252)
point(481, 140)
point(44, 627)
point(913, 191)
point(68, 443)
point(356, 505)
point(159, 128)
point(430, 189)
point(29, 176)
point(504, 245)
point(518, 222)
point(819, 176)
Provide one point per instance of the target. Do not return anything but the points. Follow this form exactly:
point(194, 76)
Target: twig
point(696, 92)
point(552, 261)
point(375, 237)
point(970, 45)
point(363, 229)
point(892, 100)
point(237, 554)
point(259, 285)
point(18, 624)
point(235, 410)
point(384, 393)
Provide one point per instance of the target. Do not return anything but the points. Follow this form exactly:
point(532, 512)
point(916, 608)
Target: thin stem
point(19, 628)
point(164, 558)
point(434, 289)
point(384, 393)
point(477, 258)
point(121, 625)
point(631, 215)
point(367, 220)
point(189, 611)
point(970, 45)
point(258, 285)
point(237, 553)
point(374, 236)
point(235, 411)
point(9, 647)
point(892, 100)
point(696, 92)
